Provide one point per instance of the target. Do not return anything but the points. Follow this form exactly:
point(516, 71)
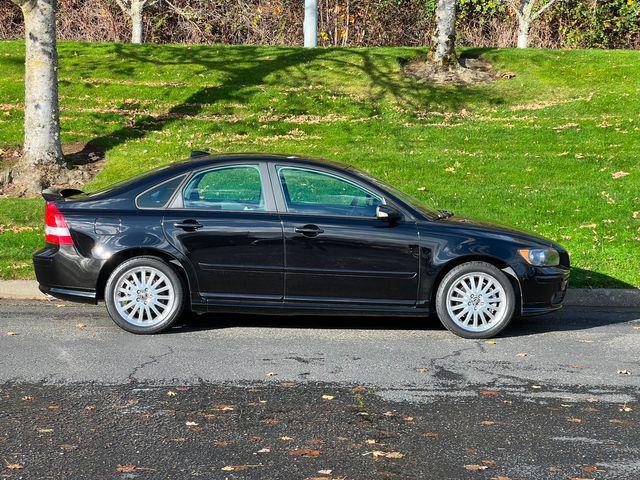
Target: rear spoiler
point(59, 194)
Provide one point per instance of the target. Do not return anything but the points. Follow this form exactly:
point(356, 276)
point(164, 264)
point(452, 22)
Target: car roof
point(204, 158)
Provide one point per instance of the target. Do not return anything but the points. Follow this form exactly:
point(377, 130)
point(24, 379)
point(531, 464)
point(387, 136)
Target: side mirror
point(388, 214)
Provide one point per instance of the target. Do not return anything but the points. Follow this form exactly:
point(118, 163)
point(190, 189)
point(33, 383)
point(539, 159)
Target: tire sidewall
point(465, 269)
point(165, 268)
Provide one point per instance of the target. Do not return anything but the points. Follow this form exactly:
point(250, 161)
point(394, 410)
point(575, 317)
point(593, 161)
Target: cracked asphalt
point(317, 397)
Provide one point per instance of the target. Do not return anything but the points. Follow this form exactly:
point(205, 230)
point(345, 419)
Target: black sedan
point(284, 234)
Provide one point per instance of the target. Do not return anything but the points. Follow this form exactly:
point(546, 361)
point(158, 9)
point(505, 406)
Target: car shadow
point(571, 318)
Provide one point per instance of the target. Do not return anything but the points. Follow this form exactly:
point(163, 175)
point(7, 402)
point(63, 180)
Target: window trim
point(177, 203)
point(171, 198)
point(282, 205)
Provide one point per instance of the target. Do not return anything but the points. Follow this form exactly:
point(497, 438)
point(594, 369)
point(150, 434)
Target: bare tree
point(524, 10)
point(443, 53)
point(42, 148)
point(310, 26)
point(134, 9)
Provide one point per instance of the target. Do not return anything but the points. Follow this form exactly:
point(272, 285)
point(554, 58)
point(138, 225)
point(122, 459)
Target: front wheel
point(144, 295)
point(475, 300)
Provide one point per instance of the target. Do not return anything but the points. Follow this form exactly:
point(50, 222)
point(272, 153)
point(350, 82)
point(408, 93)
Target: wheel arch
point(496, 262)
point(122, 256)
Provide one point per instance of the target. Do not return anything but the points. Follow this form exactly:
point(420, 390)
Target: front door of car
point(225, 222)
point(336, 249)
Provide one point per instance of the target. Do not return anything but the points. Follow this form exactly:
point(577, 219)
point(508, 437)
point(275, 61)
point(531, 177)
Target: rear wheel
point(475, 300)
point(144, 295)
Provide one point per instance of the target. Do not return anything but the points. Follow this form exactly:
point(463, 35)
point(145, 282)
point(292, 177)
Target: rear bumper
point(543, 291)
point(64, 274)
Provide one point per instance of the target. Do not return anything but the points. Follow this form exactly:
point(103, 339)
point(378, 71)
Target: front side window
point(312, 191)
point(234, 188)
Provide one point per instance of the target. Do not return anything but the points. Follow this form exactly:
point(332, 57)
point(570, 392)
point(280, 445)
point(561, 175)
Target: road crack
point(153, 359)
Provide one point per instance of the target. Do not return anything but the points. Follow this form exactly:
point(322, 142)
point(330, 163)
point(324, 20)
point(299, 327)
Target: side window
point(232, 188)
point(311, 191)
point(159, 195)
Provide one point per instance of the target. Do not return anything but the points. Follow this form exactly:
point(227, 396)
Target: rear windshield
point(122, 185)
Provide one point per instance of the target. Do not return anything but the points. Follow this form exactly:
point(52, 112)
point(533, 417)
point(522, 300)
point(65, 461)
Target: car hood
point(511, 233)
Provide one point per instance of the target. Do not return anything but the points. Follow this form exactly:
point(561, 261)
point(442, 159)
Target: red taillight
point(56, 229)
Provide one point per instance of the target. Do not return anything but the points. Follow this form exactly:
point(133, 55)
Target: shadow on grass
point(581, 278)
point(246, 69)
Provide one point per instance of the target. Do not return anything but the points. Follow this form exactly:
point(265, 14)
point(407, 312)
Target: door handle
point(309, 230)
point(188, 225)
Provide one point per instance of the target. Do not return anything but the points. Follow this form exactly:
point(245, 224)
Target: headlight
point(541, 257)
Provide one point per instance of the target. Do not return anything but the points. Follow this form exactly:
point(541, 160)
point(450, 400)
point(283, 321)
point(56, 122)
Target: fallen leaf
point(578, 366)
point(285, 438)
point(421, 370)
point(370, 441)
point(325, 472)
point(223, 408)
point(127, 468)
point(553, 469)
point(328, 397)
point(537, 387)
point(68, 448)
point(271, 374)
point(635, 214)
point(617, 421)
point(53, 406)
point(11, 334)
point(450, 170)
point(470, 451)
point(359, 388)
point(380, 453)
point(624, 372)
point(624, 408)
point(388, 414)
point(27, 398)
point(491, 393)
point(500, 477)
point(305, 452)
point(590, 469)
point(14, 466)
point(491, 342)
point(408, 419)
point(431, 434)
point(619, 174)
point(475, 468)
point(171, 393)
point(508, 75)
point(422, 189)
point(521, 354)
point(45, 430)
point(191, 424)
point(238, 468)
point(81, 325)
point(264, 450)
point(487, 423)
point(270, 421)
point(574, 420)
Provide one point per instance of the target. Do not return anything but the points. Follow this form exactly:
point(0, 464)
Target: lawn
point(541, 152)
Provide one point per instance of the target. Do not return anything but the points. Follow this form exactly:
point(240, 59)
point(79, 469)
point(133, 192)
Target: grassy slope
point(536, 152)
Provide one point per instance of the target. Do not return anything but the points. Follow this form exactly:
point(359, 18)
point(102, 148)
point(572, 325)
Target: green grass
point(537, 152)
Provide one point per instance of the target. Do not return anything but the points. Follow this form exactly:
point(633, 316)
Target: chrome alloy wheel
point(144, 296)
point(476, 302)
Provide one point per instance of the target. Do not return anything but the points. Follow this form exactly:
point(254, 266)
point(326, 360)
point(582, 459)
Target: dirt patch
point(81, 163)
point(468, 71)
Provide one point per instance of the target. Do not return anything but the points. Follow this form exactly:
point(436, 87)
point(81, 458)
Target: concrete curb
point(576, 297)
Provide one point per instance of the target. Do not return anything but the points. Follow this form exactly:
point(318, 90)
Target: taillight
point(56, 229)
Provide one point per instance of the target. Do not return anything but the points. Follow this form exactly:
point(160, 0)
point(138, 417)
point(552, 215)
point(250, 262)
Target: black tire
point(176, 283)
point(453, 277)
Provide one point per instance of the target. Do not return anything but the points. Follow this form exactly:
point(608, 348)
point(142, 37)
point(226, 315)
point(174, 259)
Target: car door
point(225, 221)
point(336, 249)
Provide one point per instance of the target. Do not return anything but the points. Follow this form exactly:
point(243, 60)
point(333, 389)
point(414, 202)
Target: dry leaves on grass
point(619, 174)
point(305, 452)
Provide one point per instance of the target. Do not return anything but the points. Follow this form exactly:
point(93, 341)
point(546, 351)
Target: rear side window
point(159, 195)
point(235, 188)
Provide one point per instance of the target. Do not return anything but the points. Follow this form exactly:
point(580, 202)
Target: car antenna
point(198, 153)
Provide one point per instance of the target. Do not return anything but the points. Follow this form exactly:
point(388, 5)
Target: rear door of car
point(225, 221)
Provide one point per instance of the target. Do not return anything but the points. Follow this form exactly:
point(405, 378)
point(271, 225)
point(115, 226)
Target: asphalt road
point(317, 398)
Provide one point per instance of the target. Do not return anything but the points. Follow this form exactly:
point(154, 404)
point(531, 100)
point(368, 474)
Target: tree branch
point(516, 10)
point(184, 15)
point(542, 9)
point(123, 7)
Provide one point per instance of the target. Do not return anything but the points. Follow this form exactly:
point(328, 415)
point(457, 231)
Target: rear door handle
point(188, 225)
point(309, 230)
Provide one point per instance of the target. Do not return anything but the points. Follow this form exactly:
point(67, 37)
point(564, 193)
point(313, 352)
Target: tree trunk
point(41, 112)
point(524, 27)
point(443, 51)
point(310, 26)
point(137, 7)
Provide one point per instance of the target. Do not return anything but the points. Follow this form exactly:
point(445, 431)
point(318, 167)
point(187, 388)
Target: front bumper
point(63, 274)
point(544, 289)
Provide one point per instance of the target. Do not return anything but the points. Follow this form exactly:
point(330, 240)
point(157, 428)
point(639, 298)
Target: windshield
point(408, 199)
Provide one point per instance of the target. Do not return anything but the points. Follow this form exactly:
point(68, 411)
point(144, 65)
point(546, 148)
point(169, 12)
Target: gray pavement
point(552, 397)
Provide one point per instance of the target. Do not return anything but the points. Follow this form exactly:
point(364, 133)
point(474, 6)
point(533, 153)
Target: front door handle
point(309, 230)
point(188, 225)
